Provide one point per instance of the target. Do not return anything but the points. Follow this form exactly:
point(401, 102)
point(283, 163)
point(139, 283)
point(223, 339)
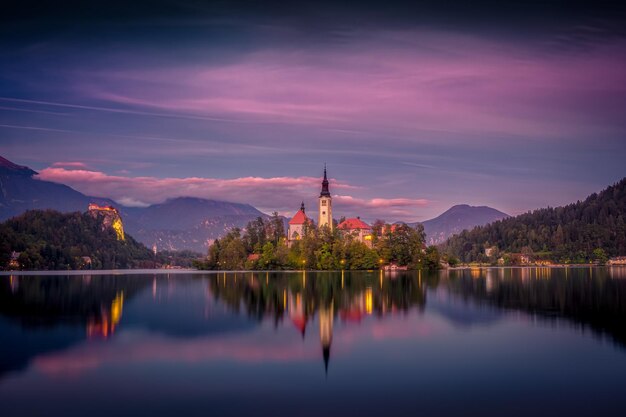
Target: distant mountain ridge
point(20, 192)
point(176, 224)
point(185, 222)
point(456, 219)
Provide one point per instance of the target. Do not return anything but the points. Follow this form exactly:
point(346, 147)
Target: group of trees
point(48, 240)
point(321, 249)
point(586, 231)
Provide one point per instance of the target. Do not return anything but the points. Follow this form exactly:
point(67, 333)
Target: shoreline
point(162, 271)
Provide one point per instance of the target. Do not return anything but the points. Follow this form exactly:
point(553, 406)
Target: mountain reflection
point(40, 315)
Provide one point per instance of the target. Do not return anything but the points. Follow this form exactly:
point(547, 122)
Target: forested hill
point(579, 232)
point(47, 240)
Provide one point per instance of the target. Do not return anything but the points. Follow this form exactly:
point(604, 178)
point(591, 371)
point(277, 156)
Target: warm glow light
point(117, 306)
point(368, 300)
point(119, 228)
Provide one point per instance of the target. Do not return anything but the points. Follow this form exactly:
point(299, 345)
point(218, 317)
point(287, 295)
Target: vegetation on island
point(587, 231)
point(263, 246)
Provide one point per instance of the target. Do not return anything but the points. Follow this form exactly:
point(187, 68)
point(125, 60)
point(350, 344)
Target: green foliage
point(431, 258)
point(263, 247)
point(49, 240)
point(599, 255)
point(569, 234)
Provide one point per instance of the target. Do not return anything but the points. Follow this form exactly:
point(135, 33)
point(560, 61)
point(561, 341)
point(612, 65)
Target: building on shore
point(618, 260)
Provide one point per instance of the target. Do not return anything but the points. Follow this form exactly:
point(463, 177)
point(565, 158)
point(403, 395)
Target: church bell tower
point(325, 205)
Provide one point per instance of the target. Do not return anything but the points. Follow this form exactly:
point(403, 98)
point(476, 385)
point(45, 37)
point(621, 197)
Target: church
point(360, 230)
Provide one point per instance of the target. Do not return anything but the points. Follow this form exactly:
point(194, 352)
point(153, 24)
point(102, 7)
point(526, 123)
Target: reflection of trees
point(49, 300)
point(59, 311)
point(591, 297)
point(264, 295)
point(303, 295)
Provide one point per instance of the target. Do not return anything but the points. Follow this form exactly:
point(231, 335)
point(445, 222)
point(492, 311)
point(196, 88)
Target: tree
point(599, 255)
point(432, 258)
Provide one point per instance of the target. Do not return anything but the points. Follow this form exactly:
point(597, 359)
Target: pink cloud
point(281, 194)
point(386, 208)
point(247, 347)
point(403, 82)
point(69, 164)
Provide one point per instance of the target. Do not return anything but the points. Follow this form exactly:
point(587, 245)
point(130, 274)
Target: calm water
point(484, 342)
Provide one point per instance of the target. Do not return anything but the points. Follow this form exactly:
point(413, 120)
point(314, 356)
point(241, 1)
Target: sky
point(413, 106)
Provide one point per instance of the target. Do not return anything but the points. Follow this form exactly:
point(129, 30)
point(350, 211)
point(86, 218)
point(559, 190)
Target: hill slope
point(177, 224)
point(456, 219)
point(52, 240)
point(187, 223)
point(565, 234)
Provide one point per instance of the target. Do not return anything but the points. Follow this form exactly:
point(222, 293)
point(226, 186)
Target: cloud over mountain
point(282, 194)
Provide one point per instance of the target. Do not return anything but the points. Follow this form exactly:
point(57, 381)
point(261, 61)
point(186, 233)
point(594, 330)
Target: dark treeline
point(268, 294)
point(586, 231)
point(49, 240)
point(262, 246)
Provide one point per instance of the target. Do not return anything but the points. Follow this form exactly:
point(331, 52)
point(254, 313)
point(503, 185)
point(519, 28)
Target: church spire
point(302, 207)
point(325, 192)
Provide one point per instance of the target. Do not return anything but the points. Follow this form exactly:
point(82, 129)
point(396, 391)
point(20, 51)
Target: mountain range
point(162, 224)
point(456, 219)
point(185, 222)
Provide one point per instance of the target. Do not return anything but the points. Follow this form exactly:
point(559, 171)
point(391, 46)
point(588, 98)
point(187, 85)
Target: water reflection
point(366, 341)
point(55, 312)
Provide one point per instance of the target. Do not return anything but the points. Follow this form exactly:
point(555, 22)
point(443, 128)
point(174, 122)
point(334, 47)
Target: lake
point(501, 341)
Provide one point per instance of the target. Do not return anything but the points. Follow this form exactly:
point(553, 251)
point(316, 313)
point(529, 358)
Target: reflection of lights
point(116, 308)
point(369, 303)
point(107, 324)
point(14, 283)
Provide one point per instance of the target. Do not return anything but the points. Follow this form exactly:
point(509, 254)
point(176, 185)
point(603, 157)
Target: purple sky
point(414, 109)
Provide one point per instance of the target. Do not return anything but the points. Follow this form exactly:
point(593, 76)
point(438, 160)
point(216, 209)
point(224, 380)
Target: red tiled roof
point(355, 223)
point(299, 218)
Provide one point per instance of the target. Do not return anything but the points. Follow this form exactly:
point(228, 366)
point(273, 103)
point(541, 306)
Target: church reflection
point(306, 297)
point(62, 311)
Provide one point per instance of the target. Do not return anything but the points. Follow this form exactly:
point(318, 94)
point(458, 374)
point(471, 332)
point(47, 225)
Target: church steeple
point(325, 205)
point(325, 192)
point(302, 207)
